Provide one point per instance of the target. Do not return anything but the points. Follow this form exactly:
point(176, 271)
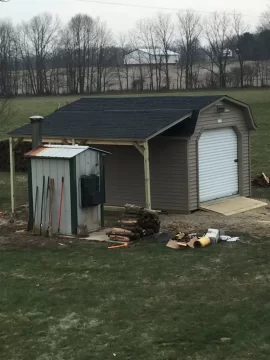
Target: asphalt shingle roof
point(118, 118)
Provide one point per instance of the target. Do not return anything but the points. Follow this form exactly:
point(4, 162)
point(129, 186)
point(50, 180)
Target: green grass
point(20, 190)
point(146, 302)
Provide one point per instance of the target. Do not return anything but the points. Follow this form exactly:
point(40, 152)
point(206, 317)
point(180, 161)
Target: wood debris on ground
point(212, 236)
point(135, 224)
point(261, 180)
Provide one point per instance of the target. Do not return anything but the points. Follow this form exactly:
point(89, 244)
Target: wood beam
point(12, 174)
point(109, 142)
point(140, 148)
point(86, 141)
point(147, 176)
point(65, 141)
point(46, 140)
point(16, 142)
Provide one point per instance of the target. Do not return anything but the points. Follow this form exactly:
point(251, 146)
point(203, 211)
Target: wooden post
point(73, 142)
point(147, 175)
point(12, 174)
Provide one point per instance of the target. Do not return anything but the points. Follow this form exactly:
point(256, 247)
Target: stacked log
point(260, 181)
point(135, 224)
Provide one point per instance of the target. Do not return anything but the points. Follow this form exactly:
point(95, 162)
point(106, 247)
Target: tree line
point(43, 56)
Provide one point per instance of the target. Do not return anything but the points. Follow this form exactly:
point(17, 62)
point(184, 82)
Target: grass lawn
point(20, 190)
point(146, 302)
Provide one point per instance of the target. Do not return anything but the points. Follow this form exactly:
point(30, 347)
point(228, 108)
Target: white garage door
point(218, 164)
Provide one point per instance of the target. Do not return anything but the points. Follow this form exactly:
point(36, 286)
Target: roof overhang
point(83, 140)
point(169, 126)
point(130, 141)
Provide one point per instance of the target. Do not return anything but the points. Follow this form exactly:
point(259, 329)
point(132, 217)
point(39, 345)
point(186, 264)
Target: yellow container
point(202, 242)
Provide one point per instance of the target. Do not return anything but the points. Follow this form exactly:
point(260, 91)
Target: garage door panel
point(218, 171)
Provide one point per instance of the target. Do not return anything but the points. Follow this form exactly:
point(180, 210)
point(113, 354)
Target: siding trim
point(240, 158)
point(30, 198)
point(188, 175)
point(73, 196)
point(102, 188)
point(249, 162)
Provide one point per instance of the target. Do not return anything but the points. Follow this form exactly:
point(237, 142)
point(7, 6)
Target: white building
point(151, 56)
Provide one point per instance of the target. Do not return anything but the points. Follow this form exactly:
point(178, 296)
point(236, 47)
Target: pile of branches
point(261, 181)
point(135, 224)
point(20, 160)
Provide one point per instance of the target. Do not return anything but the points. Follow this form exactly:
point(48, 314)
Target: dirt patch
point(255, 222)
point(12, 238)
point(13, 233)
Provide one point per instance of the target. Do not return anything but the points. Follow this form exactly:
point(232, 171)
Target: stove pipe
point(36, 122)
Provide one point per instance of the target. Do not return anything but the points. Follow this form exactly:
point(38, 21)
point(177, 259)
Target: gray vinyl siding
point(208, 119)
point(168, 171)
point(87, 163)
point(124, 175)
point(55, 169)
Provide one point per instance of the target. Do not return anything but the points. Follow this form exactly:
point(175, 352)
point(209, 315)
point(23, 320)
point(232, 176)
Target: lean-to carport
point(141, 146)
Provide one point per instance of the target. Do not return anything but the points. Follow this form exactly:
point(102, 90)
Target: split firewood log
point(129, 216)
point(148, 212)
point(133, 229)
point(117, 230)
point(127, 222)
point(132, 209)
point(131, 237)
point(119, 238)
point(118, 233)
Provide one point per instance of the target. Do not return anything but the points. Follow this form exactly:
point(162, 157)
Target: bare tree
point(239, 28)
point(103, 56)
point(8, 59)
point(189, 31)
point(37, 39)
point(217, 32)
point(77, 40)
point(146, 38)
point(164, 31)
point(122, 65)
point(138, 80)
point(265, 20)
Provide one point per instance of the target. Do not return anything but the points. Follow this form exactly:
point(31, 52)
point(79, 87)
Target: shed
point(66, 188)
point(168, 152)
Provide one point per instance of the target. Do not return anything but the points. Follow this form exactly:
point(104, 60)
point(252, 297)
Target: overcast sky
point(120, 18)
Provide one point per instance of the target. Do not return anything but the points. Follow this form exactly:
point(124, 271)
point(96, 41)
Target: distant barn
point(151, 56)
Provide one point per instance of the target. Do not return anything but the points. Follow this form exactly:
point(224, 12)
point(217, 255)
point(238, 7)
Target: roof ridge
point(126, 110)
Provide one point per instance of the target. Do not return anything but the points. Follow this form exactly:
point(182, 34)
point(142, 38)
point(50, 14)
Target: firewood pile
point(135, 224)
point(261, 180)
